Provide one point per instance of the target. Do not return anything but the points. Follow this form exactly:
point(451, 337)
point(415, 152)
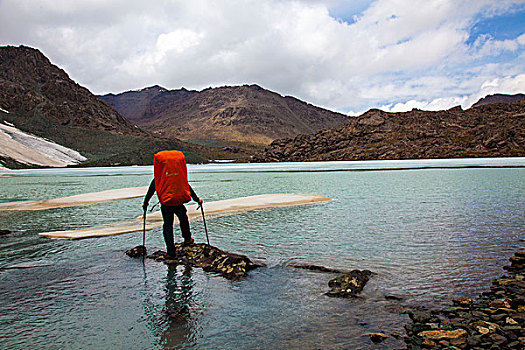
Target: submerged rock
point(315, 268)
point(349, 284)
point(377, 337)
point(211, 259)
point(495, 321)
point(136, 252)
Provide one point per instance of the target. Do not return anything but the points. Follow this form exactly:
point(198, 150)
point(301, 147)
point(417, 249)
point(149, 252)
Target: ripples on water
point(428, 234)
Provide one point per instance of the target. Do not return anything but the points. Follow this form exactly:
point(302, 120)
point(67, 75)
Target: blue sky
point(344, 55)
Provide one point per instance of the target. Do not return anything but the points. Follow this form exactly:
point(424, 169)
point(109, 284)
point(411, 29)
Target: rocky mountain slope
point(498, 98)
point(492, 130)
point(248, 113)
point(41, 99)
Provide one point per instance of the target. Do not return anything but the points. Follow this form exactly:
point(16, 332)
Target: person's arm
point(149, 194)
point(194, 196)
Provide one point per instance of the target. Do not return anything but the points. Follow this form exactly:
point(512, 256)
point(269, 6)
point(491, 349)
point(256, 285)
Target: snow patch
point(3, 110)
point(30, 149)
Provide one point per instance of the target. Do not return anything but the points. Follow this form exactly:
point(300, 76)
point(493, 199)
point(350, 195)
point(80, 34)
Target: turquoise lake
point(430, 230)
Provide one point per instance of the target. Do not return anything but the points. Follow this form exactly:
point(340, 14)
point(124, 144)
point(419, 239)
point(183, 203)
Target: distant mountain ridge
point(491, 130)
point(498, 98)
point(42, 100)
point(245, 113)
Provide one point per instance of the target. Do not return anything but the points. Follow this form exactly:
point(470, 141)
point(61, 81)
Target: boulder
point(314, 268)
point(349, 284)
point(377, 337)
point(211, 259)
point(136, 252)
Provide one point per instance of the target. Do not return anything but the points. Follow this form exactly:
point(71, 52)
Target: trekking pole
point(153, 207)
point(204, 220)
point(144, 228)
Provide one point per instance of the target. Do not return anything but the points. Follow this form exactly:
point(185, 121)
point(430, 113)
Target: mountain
point(247, 114)
point(498, 98)
point(39, 98)
point(492, 130)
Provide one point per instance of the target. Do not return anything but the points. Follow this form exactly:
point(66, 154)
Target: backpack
point(171, 178)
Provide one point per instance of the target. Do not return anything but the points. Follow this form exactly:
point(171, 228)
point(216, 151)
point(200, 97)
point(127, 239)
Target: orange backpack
point(171, 178)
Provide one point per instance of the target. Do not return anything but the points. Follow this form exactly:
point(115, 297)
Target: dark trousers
point(167, 229)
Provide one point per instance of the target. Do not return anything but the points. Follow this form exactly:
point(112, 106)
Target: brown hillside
point(493, 130)
point(30, 81)
point(245, 113)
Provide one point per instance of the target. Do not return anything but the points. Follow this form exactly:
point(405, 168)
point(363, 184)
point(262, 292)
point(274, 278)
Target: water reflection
point(179, 298)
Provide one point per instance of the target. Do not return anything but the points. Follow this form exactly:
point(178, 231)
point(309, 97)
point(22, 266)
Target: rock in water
point(210, 259)
point(314, 268)
point(494, 321)
point(4, 232)
point(377, 337)
point(349, 284)
point(136, 252)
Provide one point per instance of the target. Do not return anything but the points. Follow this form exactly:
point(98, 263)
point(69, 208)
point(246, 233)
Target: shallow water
point(430, 232)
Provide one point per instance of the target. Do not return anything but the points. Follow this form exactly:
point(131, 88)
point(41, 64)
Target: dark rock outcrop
point(492, 130)
point(498, 98)
point(495, 321)
point(136, 252)
point(315, 268)
point(349, 284)
point(210, 259)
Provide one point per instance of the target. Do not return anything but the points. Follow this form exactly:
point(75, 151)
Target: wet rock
point(442, 334)
point(349, 284)
point(315, 268)
point(136, 252)
point(377, 337)
point(210, 259)
point(462, 301)
point(494, 321)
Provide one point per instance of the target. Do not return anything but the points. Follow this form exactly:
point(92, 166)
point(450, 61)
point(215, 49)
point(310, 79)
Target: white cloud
point(387, 53)
point(506, 85)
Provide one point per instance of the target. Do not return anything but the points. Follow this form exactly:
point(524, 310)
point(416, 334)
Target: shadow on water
point(177, 310)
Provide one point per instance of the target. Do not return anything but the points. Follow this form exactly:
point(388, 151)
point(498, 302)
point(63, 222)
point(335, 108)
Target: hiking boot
point(188, 241)
point(167, 256)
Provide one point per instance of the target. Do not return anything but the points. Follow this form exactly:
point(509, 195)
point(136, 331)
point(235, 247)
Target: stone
point(4, 232)
point(314, 268)
point(511, 321)
point(136, 252)
point(498, 339)
point(427, 343)
point(377, 337)
point(462, 301)
point(349, 284)
point(420, 316)
point(442, 334)
point(211, 259)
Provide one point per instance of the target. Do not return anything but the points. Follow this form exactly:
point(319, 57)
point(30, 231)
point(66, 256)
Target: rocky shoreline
point(495, 321)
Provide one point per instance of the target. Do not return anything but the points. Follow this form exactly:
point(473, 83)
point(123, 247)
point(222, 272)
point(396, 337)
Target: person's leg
point(180, 211)
point(167, 227)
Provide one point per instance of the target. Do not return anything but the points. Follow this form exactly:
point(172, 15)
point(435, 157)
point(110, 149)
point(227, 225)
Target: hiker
point(171, 184)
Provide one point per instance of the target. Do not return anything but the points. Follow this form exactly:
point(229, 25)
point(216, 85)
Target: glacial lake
point(430, 230)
